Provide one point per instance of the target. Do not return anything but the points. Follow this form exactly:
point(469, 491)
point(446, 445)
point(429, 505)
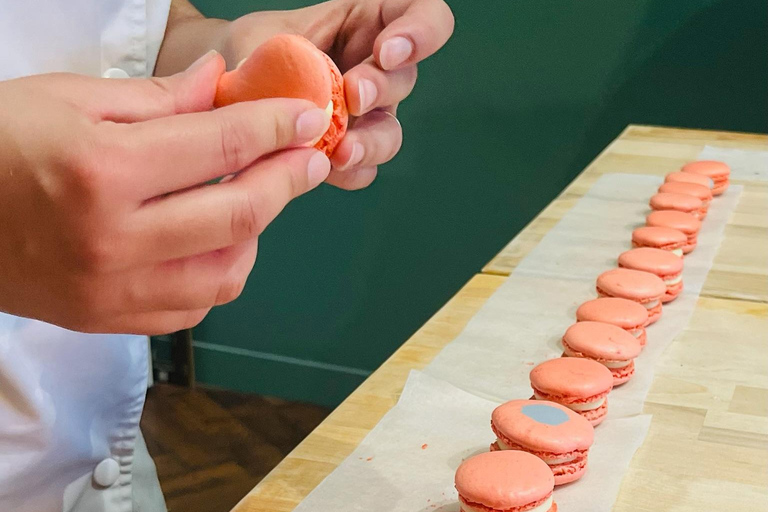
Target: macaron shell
point(571, 379)
point(679, 202)
point(631, 284)
point(622, 375)
point(673, 290)
point(596, 416)
point(569, 472)
point(657, 261)
point(660, 238)
point(719, 172)
point(674, 219)
point(624, 313)
point(692, 189)
point(504, 479)
point(688, 177)
point(289, 66)
point(601, 341)
point(538, 425)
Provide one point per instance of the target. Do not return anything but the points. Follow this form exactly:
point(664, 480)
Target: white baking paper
point(523, 322)
point(408, 461)
point(746, 165)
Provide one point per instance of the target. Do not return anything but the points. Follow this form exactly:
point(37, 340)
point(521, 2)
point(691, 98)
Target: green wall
point(524, 95)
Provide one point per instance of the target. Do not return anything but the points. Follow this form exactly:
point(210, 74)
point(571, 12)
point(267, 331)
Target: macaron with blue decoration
point(552, 432)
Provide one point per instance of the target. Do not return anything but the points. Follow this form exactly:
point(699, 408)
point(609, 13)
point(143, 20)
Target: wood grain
point(707, 448)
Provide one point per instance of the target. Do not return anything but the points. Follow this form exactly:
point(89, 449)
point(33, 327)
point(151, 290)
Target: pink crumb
point(369, 459)
point(424, 446)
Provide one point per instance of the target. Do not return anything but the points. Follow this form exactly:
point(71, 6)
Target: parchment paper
point(407, 462)
point(745, 165)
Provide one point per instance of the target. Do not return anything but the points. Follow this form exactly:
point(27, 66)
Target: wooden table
point(707, 448)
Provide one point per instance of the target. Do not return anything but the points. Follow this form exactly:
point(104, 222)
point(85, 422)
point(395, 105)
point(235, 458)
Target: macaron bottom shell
point(690, 245)
point(596, 416)
point(643, 337)
point(545, 505)
point(673, 290)
point(622, 375)
point(654, 314)
point(720, 186)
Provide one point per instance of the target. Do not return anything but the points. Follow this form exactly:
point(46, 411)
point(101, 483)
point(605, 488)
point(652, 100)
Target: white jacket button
point(115, 73)
point(106, 472)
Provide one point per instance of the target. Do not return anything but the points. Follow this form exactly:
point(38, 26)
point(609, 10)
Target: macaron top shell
point(602, 341)
point(657, 261)
point(543, 426)
point(632, 284)
point(710, 168)
point(659, 237)
point(572, 377)
point(614, 310)
point(689, 177)
point(673, 201)
point(691, 189)
point(682, 221)
point(504, 479)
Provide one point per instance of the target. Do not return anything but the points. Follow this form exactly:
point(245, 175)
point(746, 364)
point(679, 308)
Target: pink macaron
point(505, 481)
point(607, 344)
point(552, 432)
point(692, 189)
point(642, 287)
point(685, 222)
point(718, 172)
point(623, 313)
point(688, 177)
point(679, 202)
point(661, 263)
point(667, 239)
point(581, 385)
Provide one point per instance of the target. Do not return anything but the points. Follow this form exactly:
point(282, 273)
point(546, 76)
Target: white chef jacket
point(70, 403)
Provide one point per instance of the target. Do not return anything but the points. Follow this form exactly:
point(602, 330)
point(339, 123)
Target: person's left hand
point(377, 45)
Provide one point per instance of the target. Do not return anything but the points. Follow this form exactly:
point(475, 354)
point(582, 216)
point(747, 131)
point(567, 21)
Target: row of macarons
point(544, 441)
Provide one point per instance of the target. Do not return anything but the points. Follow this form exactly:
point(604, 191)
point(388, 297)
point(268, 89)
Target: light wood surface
point(707, 448)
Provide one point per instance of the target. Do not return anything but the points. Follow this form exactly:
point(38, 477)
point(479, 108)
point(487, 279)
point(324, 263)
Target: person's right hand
point(106, 224)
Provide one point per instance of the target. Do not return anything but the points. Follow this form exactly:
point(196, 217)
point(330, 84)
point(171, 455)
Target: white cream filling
point(677, 252)
point(674, 280)
point(615, 364)
point(329, 111)
point(555, 460)
point(587, 406)
point(544, 507)
point(637, 333)
point(652, 304)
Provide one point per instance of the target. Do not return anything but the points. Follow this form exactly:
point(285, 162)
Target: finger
point(367, 86)
point(375, 139)
point(208, 218)
point(134, 99)
point(352, 180)
point(414, 31)
point(192, 283)
point(177, 152)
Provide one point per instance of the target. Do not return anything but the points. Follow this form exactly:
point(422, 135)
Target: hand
point(375, 43)
point(105, 222)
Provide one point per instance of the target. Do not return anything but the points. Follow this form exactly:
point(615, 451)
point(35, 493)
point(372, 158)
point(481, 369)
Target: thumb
point(132, 100)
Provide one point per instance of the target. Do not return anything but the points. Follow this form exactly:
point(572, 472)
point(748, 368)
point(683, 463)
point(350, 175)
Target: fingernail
point(312, 124)
point(394, 52)
point(202, 61)
point(317, 169)
point(358, 151)
point(367, 91)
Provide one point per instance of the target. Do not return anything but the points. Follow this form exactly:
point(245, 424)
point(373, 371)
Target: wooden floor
point(212, 446)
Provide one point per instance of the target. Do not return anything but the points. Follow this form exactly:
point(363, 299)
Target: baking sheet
point(745, 165)
point(407, 462)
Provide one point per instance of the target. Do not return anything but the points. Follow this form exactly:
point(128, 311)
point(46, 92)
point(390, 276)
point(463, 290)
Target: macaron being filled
point(667, 239)
point(607, 344)
point(552, 432)
point(679, 202)
point(661, 263)
point(684, 222)
point(688, 177)
point(623, 313)
point(718, 172)
point(581, 385)
point(691, 189)
point(642, 287)
point(505, 481)
point(289, 66)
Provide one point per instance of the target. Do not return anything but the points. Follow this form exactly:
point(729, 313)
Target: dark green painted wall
point(524, 95)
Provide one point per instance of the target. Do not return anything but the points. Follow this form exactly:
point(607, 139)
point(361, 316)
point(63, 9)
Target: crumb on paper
point(424, 446)
point(369, 459)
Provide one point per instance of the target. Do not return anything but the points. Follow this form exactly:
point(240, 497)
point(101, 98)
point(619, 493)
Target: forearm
point(188, 35)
